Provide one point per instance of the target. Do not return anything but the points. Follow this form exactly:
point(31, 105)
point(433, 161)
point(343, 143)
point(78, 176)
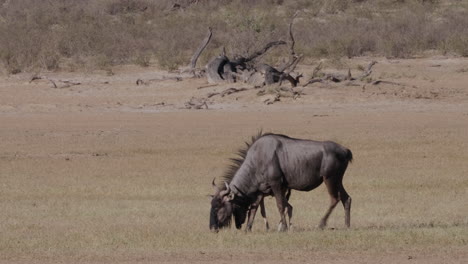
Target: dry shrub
point(143, 59)
point(336, 6)
point(246, 33)
point(175, 38)
point(455, 34)
point(51, 34)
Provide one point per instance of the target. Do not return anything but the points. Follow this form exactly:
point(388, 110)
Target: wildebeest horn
point(225, 192)
point(228, 192)
point(214, 185)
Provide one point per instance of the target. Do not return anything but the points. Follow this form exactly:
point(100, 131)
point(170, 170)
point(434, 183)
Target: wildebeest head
point(221, 208)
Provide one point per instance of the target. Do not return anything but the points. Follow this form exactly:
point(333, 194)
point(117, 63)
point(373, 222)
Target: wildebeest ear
point(214, 185)
point(231, 196)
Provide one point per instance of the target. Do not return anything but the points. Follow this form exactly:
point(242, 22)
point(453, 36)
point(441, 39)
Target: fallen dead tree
point(61, 83)
point(249, 69)
point(222, 69)
point(337, 78)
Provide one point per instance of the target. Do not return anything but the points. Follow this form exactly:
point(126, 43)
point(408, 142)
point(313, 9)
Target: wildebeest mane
point(236, 163)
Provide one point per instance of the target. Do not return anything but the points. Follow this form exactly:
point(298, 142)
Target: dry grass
point(48, 35)
point(132, 187)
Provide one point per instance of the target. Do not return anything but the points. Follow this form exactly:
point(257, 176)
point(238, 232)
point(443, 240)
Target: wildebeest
point(272, 164)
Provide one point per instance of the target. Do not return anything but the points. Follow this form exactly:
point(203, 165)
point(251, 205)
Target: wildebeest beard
point(240, 214)
point(213, 219)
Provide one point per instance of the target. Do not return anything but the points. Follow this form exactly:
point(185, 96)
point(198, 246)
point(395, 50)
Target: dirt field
point(111, 172)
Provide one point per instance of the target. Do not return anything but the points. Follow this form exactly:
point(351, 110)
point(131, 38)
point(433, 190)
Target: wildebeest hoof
point(281, 227)
point(322, 225)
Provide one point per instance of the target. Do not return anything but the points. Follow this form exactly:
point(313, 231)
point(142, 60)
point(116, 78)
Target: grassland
point(132, 188)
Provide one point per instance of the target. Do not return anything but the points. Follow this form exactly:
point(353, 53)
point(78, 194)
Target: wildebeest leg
point(281, 203)
point(263, 212)
point(289, 208)
point(253, 211)
point(334, 199)
point(346, 200)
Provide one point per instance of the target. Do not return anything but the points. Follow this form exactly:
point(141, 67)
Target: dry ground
point(103, 173)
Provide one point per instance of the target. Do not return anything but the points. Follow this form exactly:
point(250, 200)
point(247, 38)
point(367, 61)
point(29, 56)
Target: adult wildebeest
point(271, 165)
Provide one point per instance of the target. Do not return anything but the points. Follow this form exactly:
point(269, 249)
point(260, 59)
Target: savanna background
point(110, 172)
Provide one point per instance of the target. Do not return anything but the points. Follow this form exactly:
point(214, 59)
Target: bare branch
point(264, 50)
point(272, 100)
point(316, 70)
point(226, 92)
point(35, 77)
point(293, 58)
point(313, 80)
point(200, 49)
point(147, 82)
point(387, 82)
point(53, 83)
point(196, 103)
point(69, 83)
point(287, 74)
point(66, 83)
point(207, 86)
point(293, 61)
point(368, 71)
point(232, 90)
point(294, 65)
point(211, 94)
point(293, 42)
